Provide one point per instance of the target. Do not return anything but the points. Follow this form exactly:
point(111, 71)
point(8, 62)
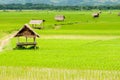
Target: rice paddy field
point(79, 48)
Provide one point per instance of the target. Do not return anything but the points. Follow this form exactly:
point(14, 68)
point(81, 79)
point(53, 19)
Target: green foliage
point(53, 7)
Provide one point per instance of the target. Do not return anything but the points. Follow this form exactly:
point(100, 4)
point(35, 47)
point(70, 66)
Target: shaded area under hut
point(26, 32)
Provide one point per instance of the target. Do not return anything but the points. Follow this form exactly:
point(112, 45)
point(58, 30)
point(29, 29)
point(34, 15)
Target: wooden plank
point(25, 44)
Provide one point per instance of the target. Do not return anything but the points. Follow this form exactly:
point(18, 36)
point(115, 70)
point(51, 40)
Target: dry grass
point(82, 37)
point(5, 40)
point(32, 73)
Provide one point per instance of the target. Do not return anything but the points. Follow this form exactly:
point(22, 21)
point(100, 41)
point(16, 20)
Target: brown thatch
point(27, 32)
point(59, 18)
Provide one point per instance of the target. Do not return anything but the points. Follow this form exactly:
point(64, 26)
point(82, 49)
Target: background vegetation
point(27, 6)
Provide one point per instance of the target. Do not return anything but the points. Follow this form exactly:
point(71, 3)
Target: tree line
point(30, 6)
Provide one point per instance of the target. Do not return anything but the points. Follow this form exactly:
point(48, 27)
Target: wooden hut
point(95, 15)
point(60, 18)
point(100, 12)
point(119, 14)
point(26, 32)
point(37, 24)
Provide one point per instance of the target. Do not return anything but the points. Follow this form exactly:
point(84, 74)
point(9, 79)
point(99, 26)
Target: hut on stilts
point(119, 14)
point(37, 24)
point(26, 32)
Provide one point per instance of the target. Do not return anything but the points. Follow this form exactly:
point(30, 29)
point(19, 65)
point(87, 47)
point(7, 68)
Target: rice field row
point(35, 73)
point(65, 54)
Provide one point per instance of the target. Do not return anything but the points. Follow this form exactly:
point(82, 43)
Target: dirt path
point(5, 40)
point(83, 37)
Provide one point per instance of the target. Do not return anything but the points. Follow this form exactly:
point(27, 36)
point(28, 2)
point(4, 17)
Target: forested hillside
point(63, 2)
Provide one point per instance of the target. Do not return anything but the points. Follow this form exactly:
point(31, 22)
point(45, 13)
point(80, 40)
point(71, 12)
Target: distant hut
point(95, 15)
point(60, 18)
point(119, 14)
point(38, 24)
point(26, 32)
point(100, 12)
point(110, 12)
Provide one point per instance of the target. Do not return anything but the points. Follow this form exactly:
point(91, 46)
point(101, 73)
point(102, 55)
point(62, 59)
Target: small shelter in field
point(96, 15)
point(38, 24)
point(60, 18)
point(26, 32)
point(119, 14)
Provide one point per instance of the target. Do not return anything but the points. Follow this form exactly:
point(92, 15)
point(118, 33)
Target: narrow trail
point(81, 37)
point(5, 40)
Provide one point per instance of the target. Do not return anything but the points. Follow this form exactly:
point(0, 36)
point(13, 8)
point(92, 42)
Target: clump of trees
point(52, 7)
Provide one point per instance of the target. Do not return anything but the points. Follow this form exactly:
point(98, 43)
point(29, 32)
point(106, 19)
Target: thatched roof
point(59, 17)
point(27, 32)
point(36, 21)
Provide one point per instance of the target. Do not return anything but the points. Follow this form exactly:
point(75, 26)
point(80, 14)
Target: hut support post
point(26, 39)
point(32, 25)
point(18, 42)
point(34, 40)
point(43, 25)
point(17, 39)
